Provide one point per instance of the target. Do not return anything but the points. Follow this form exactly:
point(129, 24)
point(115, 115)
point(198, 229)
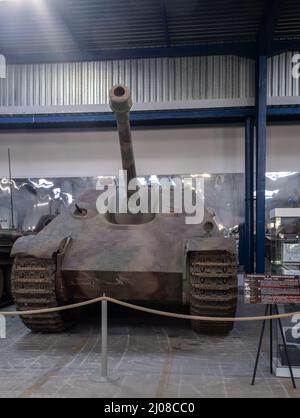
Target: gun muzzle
point(120, 103)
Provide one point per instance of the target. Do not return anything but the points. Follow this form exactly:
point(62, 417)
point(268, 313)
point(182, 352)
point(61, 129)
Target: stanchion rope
point(147, 310)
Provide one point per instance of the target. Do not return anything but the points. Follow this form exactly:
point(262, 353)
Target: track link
point(33, 287)
point(213, 289)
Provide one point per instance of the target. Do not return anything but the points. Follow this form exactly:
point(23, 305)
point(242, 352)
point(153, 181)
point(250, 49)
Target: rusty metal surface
point(211, 244)
point(34, 287)
point(98, 245)
point(36, 246)
point(139, 262)
point(126, 285)
point(120, 102)
point(213, 287)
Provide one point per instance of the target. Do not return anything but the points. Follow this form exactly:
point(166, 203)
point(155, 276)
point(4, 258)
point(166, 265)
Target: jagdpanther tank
point(141, 257)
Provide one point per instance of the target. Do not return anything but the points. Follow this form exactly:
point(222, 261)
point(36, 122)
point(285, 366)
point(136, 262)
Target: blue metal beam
point(164, 15)
point(249, 197)
point(244, 49)
point(268, 26)
point(282, 45)
point(144, 118)
point(137, 118)
point(284, 112)
point(247, 49)
point(261, 131)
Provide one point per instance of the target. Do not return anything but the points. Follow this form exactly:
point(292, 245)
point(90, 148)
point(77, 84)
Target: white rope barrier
point(147, 310)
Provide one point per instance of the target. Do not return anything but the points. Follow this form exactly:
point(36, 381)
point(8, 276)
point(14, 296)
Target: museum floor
point(153, 356)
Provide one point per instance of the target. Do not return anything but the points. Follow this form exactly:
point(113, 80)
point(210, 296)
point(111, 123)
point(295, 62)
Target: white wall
point(88, 153)
point(161, 151)
point(283, 148)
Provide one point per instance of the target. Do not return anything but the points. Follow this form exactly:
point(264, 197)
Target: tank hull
point(138, 286)
point(142, 262)
point(99, 245)
point(133, 262)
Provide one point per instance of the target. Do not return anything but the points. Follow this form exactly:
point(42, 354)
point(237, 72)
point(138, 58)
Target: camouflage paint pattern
point(137, 262)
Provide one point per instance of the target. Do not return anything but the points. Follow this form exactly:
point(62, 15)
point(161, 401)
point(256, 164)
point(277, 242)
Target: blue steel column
point(249, 196)
point(261, 131)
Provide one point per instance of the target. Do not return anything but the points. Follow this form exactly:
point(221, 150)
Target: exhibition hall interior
point(149, 201)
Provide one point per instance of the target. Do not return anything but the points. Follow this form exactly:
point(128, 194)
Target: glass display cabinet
point(284, 257)
point(291, 331)
point(284, 239)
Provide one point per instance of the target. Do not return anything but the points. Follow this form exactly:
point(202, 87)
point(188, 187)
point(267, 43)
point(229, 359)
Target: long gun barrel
point(120, 103)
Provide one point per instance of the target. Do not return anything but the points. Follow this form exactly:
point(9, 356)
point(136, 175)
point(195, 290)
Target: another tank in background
point(142, 257)
point(7, 240)
point(8, 235)
point(11, 229)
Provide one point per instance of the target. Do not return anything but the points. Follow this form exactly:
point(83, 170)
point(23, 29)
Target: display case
point(284, 257)
point(291, 331)
point(284, 237)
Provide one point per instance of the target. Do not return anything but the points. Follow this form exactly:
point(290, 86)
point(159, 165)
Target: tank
point(7, 239)
point(140, 257)
point(12, 227)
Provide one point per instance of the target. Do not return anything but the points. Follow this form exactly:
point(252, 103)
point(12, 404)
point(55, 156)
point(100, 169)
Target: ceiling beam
point(146, 118)
point(268, 26)
point(282, 45)
point(247, 49)
point(164, 15)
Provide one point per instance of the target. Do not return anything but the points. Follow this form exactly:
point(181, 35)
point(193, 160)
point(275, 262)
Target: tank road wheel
point(213, 289)
point(1, 283)
point(33, 287)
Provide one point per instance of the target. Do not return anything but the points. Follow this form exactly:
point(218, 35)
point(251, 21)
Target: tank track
point(33, 287)
point(213, 289)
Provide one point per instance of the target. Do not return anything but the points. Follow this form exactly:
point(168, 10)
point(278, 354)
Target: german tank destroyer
point(141, 257)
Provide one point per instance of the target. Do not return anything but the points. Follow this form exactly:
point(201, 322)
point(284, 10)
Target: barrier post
point(104, 374)
point(104, 359)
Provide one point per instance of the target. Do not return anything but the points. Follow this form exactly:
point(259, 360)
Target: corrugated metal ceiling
point(41, 26)
point(288, 25)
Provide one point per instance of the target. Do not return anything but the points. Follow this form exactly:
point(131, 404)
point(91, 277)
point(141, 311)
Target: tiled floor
point(153, 357)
